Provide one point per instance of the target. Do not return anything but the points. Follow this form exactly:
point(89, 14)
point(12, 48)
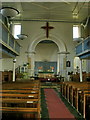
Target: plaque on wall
point(67, 63)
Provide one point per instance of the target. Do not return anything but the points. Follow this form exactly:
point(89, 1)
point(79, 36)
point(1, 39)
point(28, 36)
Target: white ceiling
point(51, 11)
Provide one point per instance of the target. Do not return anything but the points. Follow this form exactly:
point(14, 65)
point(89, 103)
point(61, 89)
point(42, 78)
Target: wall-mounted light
point(14, 60)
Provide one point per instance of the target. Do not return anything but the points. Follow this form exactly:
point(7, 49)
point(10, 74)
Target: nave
point(34, 100)
point(44, 60)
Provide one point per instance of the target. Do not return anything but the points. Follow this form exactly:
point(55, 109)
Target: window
point(76, 62)
point(17, 30)
point(76, 31)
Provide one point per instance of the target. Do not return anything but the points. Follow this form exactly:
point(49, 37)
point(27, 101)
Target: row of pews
point(20, 100)
point(76, 77)
point(78, 95)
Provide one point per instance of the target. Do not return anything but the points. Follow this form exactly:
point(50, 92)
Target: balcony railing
point(83, 48)
point(7, 39)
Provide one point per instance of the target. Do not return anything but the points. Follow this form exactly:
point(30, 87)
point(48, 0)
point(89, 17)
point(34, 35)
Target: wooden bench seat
point(21, 98)
point(19, 95)
point(17, 100)
point(24, 113)
point(19, 86)
point(78, 94)
point(27, 103)
point(18, 109)
point(20, 91)
point(70, 87)
point(84, 104)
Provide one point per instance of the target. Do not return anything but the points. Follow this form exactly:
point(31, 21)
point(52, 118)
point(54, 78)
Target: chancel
point(44, 60)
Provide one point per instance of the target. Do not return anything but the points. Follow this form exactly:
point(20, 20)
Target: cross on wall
point(47, 27)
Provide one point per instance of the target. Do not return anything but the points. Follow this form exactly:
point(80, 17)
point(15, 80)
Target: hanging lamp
point(9, 12)
point(22, 36)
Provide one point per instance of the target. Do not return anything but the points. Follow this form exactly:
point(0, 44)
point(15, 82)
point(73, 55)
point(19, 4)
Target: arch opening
point(61, 48)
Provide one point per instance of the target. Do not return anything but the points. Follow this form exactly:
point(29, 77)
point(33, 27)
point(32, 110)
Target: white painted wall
point(7, 64)
point(62, 31)
point(46, 52)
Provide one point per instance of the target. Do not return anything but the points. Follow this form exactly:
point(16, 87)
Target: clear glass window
point(17, 30)
point(76, 32)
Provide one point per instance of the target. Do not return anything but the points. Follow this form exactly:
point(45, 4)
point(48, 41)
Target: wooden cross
point(47, 27)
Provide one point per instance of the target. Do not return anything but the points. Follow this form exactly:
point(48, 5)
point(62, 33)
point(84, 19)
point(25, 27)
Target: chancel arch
point(61, 45)
point(61, 48)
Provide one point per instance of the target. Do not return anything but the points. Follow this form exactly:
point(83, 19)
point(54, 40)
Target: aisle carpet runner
point(56, 107)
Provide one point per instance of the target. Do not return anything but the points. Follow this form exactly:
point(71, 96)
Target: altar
point(46, 74)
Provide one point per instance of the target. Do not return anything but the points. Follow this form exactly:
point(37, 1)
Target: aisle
point(56, 107)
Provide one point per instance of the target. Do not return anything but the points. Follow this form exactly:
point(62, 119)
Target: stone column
point(58, 63)
point(31, 55)
point(14, 63)
point(61, 64)
point(81, 70)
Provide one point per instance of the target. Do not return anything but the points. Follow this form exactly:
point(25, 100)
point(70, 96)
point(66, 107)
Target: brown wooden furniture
point(22, 99)
point(78, 95)
point(7, 76)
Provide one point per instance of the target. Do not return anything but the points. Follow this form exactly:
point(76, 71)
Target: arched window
point(76, 62)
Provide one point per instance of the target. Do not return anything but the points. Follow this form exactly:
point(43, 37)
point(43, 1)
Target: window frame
point(78, 31)
point(15, 24)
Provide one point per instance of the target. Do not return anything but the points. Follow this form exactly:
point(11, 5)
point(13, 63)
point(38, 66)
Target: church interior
point(45, 60)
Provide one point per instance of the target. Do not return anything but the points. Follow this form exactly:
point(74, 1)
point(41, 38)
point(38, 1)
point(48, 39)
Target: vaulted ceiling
point(51, 11)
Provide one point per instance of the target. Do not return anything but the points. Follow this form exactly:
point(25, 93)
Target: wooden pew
point(70, 87)
point(78, 94)
point(84, 104)
point(24, 99)
point(27, 113)
point(8, 95)
point(20, 91)
point(22, 103)
point(66, 90)
point(15, 102)
point(20, 85)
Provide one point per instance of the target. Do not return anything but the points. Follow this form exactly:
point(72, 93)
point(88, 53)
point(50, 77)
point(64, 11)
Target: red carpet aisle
point(56, 107)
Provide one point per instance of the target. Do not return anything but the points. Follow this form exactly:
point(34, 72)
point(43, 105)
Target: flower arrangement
point(52, 68)
point(40, 68)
